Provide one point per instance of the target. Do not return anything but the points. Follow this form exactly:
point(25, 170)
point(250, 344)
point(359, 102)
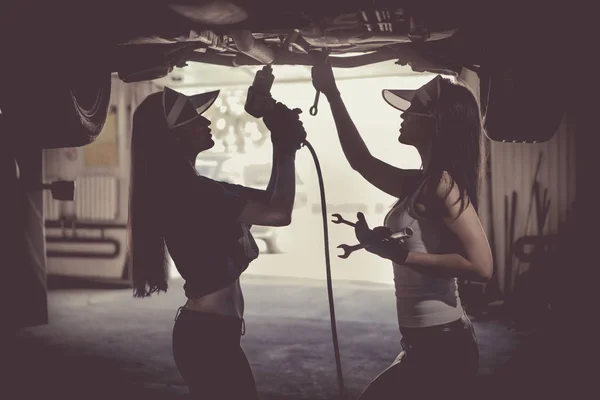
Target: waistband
point(201, 317)
point(458, 324)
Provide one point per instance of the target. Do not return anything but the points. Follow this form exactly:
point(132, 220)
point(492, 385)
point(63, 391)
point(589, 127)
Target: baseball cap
point(424, 97)
point(180, 109)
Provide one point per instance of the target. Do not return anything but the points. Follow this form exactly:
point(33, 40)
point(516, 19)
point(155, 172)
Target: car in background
point(244, 170)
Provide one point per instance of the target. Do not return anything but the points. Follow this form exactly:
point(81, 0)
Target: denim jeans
point(209, 357)
point(436, 361)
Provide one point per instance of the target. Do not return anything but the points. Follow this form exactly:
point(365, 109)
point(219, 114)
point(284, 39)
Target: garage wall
point(101, 173)
point(101, 167)
point(513, 169)
point(471, 79)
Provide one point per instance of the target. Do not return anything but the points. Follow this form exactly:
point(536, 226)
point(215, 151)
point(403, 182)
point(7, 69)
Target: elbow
point(484, 273)
point(281, 212)
point(285, 220)
point(282, 218)
point(487, 275)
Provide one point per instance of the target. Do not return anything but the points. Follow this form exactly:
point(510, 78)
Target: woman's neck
point(181, 166)
point(191, 158)
point(425, 154)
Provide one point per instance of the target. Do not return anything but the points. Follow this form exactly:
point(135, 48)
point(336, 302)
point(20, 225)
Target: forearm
point(260, 195)
point(353, 145)
point(448, 265)
point(273, 179)
point(284, 189)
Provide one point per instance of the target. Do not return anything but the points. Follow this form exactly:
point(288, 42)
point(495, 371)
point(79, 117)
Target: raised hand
point(287, 131)
point(322, 77)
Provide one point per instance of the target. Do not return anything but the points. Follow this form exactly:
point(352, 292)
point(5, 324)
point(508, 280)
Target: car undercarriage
point(67, 56)
point(60, 63)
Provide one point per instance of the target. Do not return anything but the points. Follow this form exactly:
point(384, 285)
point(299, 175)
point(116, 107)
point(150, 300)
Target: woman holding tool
point(438, 203)
point(204, 224)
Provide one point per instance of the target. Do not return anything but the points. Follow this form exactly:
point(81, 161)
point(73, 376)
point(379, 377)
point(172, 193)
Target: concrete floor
point(102, 343)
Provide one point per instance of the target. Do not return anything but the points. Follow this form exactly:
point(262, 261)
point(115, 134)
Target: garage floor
point(102, 343)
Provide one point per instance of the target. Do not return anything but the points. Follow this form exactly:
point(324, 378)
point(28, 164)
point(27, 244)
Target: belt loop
point(243, 326)
point(178, 312)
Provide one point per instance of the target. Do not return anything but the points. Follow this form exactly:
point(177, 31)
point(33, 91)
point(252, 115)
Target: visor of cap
point(180, 109)
point(399, 99)
point(426, 96)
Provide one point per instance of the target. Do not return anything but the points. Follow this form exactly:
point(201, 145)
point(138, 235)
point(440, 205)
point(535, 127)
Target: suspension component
point(379, 20)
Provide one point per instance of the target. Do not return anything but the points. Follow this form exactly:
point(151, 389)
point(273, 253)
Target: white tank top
point(423, 300)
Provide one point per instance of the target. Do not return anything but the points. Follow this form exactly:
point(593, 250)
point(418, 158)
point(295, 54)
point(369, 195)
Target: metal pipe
point(84, 225)
point(294, 59)
point(82, 253)
point(393, 37)
point(256, 49)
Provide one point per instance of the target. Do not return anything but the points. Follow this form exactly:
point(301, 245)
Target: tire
point(525, 104)
point(54, 112)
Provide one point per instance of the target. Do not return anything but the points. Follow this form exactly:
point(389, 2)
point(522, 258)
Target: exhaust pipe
point(251, 47)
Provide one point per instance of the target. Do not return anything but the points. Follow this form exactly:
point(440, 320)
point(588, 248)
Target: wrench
point(314, 110)
point(320, 56)
point(348, 249)
point(340, 220)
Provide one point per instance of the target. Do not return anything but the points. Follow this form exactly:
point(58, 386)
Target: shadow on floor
point(74, 374)
point(64, 282)
point(101, 344)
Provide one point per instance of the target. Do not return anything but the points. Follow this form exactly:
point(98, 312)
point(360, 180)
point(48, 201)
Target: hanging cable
point(336, 347)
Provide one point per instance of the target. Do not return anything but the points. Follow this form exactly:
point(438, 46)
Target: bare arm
point(273, 178)
point(477, 264)
point(287, 134)
point(393, 181)
point(259, 195)
point(278, 210)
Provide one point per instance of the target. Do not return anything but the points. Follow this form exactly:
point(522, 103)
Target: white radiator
point(95, 199)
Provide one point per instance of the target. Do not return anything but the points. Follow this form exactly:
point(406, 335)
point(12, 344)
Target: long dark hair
point(153, 167)
point(458, 143)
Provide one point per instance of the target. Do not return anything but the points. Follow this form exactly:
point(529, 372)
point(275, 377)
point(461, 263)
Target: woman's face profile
point(417, 127)
point(195, 136)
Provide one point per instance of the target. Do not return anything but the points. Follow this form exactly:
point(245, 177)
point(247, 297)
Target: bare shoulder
point(451, 200)
point(430, 194)
point(447, 188)
point(466, 225)
point(439, 196)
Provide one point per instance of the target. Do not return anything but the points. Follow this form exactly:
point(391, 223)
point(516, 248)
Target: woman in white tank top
point(443, 122)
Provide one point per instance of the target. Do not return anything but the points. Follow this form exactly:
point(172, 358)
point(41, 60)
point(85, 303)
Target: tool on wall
point(531, 202)
point(540, 251)
point(510, 213)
